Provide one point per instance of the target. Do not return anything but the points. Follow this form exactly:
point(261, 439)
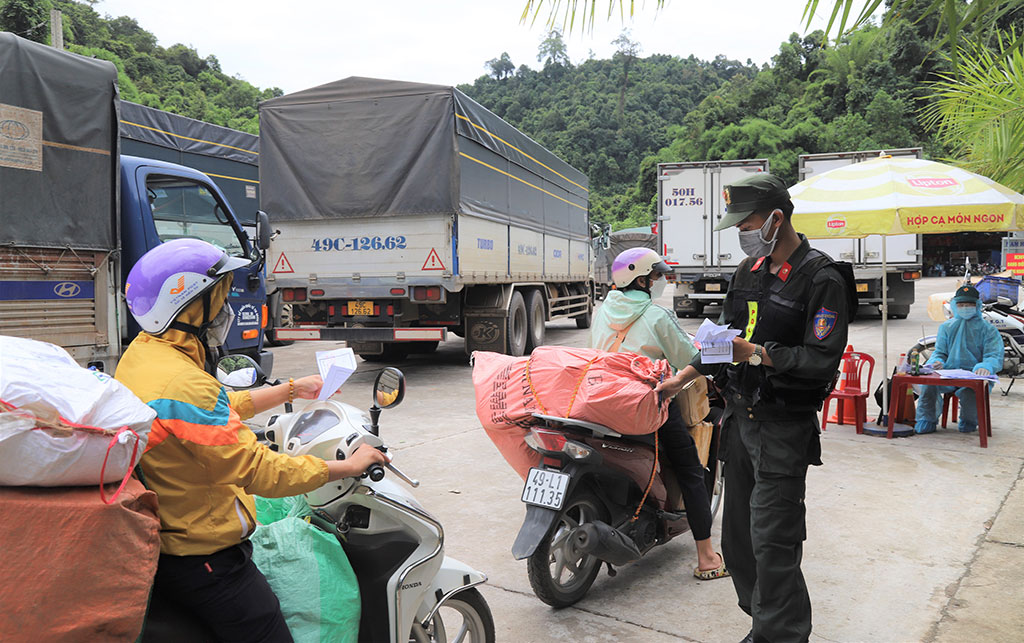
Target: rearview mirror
point(262, 230)
point(239, 371)
point(389, 388)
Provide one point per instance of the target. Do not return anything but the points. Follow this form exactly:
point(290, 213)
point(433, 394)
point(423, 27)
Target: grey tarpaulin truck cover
point(229, 157)
point(58, 148)
point(363, 147)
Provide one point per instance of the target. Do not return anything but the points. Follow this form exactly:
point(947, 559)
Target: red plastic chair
point(854, 391)
point(950, 403)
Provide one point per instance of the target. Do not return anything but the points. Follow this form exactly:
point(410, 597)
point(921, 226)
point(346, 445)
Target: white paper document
point(715, 342)
point(963, 374)
point(335, 367)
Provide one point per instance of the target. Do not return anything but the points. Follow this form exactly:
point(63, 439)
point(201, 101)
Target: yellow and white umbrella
point(902, 196)
point(888, 196)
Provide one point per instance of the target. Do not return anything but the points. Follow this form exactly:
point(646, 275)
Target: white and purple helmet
point(636, 262)
point(165, 280)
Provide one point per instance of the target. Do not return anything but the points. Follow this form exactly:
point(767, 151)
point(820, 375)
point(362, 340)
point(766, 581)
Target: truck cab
point(162, 201)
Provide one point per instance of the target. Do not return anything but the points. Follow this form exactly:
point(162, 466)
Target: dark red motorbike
point(598, 497)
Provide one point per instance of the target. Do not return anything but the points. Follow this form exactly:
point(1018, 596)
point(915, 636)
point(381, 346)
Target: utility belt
point(792, 406)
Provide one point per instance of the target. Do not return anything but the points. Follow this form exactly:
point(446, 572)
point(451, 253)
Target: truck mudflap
point(318, 333)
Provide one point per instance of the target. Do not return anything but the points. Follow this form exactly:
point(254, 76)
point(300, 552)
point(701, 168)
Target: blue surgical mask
point(966, 312)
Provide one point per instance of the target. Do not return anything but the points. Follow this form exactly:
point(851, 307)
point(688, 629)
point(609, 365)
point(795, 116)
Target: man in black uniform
point(792, 304)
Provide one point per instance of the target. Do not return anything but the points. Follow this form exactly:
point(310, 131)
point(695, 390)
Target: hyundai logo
point(67, 289)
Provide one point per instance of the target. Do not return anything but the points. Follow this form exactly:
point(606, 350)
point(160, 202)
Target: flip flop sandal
point(711, 574)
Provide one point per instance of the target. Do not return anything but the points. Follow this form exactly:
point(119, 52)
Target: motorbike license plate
point(713, 287)
point(360, 308)
point(545, 488)
point(862, 287)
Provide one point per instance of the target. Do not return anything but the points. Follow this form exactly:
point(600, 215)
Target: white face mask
point(753, 242)
point(217, 331)
point(658, 288)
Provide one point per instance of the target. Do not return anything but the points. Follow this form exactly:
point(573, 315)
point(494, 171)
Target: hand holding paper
point(335, 367)
point(715, 342)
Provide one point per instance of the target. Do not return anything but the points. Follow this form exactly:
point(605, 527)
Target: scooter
point(598, 497)
point(1007, 319)
point(411, 591)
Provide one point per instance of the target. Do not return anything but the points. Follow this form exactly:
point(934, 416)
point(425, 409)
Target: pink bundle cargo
point(612, 389)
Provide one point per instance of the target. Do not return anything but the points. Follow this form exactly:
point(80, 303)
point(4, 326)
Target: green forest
point(616, 119)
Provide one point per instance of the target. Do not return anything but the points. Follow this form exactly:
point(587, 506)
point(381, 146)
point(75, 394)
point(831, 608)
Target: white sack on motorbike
point(42, 386)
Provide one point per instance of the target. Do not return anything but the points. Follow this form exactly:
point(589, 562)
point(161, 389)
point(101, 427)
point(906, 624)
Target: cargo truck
point(690, 205)
point(902, 251)
point(406, 211)
point(75, 214)
point(608, 246)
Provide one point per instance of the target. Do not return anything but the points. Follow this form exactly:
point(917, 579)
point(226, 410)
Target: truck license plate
point(713, 287)
point(862, 287)
point(360, 308)
point(545, 488)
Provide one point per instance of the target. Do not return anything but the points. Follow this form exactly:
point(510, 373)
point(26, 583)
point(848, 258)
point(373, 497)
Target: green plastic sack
point(308, 571)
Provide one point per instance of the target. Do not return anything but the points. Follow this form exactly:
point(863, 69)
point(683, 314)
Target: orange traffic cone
point(847, 378)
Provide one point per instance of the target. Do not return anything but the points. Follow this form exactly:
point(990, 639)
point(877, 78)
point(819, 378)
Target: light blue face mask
point(965, 312)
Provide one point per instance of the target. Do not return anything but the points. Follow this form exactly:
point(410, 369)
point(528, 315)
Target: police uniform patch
point(824, 322)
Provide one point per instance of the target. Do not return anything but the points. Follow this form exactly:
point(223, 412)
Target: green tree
point(552, 50)
point(26, 18)
point(979, 113)
point(501, 67)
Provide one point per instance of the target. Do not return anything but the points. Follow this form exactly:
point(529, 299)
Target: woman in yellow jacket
point(203, 463)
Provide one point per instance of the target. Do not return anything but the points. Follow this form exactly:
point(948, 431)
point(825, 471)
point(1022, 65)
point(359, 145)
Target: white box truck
point(690, 205)
point(902, 252)
point(406, 211)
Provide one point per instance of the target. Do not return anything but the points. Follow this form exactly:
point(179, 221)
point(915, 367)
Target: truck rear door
point(725, 244)
point(684, 208)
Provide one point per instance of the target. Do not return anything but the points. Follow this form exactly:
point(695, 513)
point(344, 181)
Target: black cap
point(757, 191)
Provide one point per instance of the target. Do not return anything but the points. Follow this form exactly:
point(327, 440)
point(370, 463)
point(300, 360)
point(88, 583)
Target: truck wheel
point(583, 321)
point(535, 320)
point(516, 330)
point(421, 348)
point(899, 312)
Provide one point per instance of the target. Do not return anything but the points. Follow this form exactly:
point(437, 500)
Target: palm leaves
point(980, 111)
point(568, 12)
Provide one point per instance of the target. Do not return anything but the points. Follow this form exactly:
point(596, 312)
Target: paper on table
point(715, 342)
point(335, 367)
point(963, 374)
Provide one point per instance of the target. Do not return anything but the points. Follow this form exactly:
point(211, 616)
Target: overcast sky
point(300, 44)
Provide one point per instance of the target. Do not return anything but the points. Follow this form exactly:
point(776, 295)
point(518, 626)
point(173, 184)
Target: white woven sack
point(43, 380)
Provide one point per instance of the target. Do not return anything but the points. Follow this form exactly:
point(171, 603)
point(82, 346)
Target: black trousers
point(764, 524)
point(678, 444)
point(226, 592)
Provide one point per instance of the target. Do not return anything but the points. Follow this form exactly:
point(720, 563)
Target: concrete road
point(913, 539)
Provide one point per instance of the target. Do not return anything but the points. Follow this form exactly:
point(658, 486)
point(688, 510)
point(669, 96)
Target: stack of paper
point(962, 374)
point(335, 367)
point(715, 342)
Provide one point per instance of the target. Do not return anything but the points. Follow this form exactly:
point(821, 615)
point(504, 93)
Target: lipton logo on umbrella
point(67, 289)
point(836, 225)
point(14, 130)
point(937, 182)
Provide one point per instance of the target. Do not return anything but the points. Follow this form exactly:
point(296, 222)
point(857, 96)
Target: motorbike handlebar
point(375, 472)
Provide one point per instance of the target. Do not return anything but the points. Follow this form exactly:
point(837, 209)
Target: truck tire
point(535, 320)
point(898, 312)
point(516, 330)
point(392, 353)
point(583, 321)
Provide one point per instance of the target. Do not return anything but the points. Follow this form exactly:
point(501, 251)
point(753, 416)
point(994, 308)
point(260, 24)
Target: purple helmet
point(636, 262)
point(165, 280)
